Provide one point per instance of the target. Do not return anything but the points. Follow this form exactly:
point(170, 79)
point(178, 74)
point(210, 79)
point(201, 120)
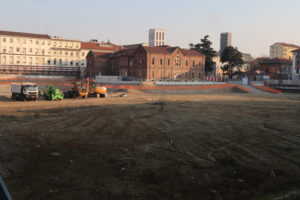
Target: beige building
point(282, 50)
point(66, 53)
point(18, 48)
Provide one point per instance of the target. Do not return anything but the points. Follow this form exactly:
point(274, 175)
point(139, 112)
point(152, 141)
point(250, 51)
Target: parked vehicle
point(98, 91)
point(53, 94)
point(24, 91)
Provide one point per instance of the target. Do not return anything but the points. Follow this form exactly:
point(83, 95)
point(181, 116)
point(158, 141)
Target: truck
point(24, 91)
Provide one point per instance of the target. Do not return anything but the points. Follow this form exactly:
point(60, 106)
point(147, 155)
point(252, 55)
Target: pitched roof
point(124, 52)
point(288, 45)
point(297, 50)
point(169, 50)
point(20, 34)
point(276, 61)
point(100, 46)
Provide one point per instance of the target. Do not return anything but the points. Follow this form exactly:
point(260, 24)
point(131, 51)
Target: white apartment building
point(157, 37)
point(24, 48)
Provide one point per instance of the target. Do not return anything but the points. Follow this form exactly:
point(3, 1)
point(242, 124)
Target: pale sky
point(255, 24)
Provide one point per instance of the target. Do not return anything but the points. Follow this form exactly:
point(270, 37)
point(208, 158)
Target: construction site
point(214, 142)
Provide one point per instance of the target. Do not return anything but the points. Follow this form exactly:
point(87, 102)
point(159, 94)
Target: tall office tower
point(157, 37)
point(226, 39)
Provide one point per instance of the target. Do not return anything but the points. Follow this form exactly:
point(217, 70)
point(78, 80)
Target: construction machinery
point(53, 94)
point(98, 91)
point(78, 90)
point(85, 89)
point(24, 91)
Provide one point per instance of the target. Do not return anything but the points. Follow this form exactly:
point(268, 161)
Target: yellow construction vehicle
point(78, 90)
point(98, 91)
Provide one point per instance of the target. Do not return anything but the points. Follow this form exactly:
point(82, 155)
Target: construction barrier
point(267, 89)
point(205, 87)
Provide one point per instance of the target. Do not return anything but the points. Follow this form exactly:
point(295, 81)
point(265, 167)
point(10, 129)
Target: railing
point(39, 70)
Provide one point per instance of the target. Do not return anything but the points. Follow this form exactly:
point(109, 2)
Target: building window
point(82, 54)
point(30, 50)
point(153, 61)
point(24, 41)
point(36, 51)
point(11, 49)
point(193, 63)
point(11, 40)
point(160, 62)
point(24, 50)
point(11, 60)
point(66, 53)
point(4, 49)
point(199, 75)
point(177, 61)
point(4, 39)
point(156, 35)
point(71, 63)
point(152, 74)
point(37, 42)
point(18, 49)
point(193, 75)
point(43, 52)
point(187, 63)
point(159, 36)
point(169, 62)
point(163, 36)
point(54, 62)
point(49, 62)
point(60, 61)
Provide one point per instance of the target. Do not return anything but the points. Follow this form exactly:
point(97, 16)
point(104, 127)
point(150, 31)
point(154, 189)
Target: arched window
point(177, 61)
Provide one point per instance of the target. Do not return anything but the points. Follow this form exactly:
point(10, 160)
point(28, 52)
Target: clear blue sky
point(255, 24)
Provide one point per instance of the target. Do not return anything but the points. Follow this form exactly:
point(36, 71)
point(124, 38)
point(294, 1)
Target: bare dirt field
point(148, 145)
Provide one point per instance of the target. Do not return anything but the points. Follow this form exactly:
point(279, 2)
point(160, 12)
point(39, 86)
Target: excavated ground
point(152, 146)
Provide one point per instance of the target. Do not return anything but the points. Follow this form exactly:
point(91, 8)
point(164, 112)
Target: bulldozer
point(53, 94)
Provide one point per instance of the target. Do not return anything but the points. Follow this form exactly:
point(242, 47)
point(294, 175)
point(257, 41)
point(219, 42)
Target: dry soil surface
point(152, 146)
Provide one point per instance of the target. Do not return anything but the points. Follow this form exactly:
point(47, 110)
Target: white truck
point(24, 91)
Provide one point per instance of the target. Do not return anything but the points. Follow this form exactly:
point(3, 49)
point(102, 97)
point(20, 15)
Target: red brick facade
point(276, 68)
point(97, 63)
point(153, 63)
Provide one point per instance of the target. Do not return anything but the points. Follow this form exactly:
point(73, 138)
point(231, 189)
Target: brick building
point(152, 63)
point(276, 68)
point(98, 56)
